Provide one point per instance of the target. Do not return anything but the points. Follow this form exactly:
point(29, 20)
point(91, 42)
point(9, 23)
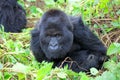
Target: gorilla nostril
point(53, 44)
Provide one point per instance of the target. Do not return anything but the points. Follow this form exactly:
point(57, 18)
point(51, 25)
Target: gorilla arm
point(86, 38)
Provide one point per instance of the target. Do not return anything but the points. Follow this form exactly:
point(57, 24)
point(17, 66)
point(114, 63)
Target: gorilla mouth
point(54, 49)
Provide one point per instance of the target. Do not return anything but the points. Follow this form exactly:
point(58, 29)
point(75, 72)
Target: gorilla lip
point(53, 48)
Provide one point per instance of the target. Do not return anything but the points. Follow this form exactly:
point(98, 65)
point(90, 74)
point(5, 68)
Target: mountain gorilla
point(58, 36)
point(12, 16)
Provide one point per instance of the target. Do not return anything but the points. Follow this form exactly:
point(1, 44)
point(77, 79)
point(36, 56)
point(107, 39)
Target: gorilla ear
point(35, 32)
point(80, 21)
point(76, 20)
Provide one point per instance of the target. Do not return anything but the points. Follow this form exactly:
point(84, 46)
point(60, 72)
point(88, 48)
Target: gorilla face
point(55, 37)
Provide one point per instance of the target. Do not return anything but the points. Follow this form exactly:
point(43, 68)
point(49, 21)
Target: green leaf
point(110, 65)
point(44, 71)
point(7, 76)
point(83, 76)
point(94, 71)
point(18, 67)
point(61, 75)
point(106, 76)
point(49, 2)
point(96, 2)
point(96, 26)
point(33, 9)
point(118, 12)
point(113, 49)
point(21, 76)
point(1, 75)
point(116, 24)
point(1, 66)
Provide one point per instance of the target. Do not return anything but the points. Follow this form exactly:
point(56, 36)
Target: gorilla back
point(12, 16)
point(57, 36)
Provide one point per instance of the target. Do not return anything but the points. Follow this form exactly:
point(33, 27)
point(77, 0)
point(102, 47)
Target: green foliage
point(112, 73)
point(35, 12)
point(83, 76)
point(61, 74)
point(106, 76)
point(114, 49)
point(44, 70)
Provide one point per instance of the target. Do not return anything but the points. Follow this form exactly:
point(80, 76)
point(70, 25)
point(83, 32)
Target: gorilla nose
point(53, 46)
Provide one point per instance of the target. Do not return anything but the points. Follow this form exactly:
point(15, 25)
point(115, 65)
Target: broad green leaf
point(118, 12)
point(110, 65)
point(96, 2)
point(49, 2)
point(21, 76)
point(33, 9)
point(44, 71)
point(83, 76)
point(7, 76)
point(61, 75)
point(19, 67)
point(113, 49)
point(1, 66)
point(116, 24)
point(0, 75)
point(106, 76)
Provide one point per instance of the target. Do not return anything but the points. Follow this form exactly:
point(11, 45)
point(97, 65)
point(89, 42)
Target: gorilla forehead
point(54, 13)
point(56, 21)
point(51, 16)
point(55, 24)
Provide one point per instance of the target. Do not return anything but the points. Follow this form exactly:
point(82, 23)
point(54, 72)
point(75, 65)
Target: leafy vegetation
point(103, 16)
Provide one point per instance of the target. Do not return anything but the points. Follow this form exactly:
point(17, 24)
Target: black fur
point(12, 16)
point(57, 0)
point(85, 52)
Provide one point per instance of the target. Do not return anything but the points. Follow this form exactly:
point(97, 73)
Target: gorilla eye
point(48, 36)
point(58, 36)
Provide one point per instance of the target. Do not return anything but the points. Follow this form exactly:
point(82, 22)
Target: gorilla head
point(55, 35)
